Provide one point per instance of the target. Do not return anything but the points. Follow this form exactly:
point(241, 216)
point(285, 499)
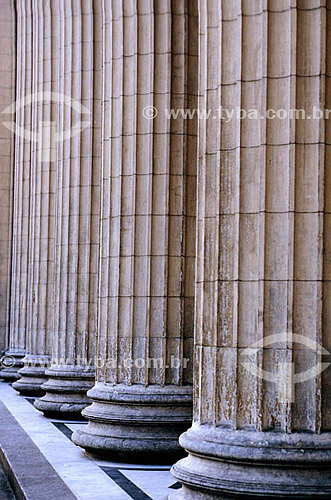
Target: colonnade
point(166, 267)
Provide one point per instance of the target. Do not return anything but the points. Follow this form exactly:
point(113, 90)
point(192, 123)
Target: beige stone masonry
point(21, 195)
point(142, 398)
point(261, 424)
point(7, 96)
point(165, 262)
point(72, 371)
point(40, 309)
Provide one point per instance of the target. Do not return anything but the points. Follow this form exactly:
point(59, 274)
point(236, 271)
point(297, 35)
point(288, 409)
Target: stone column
point(72, 371)
point(40, 315)
point(7, 97)
point(21, 195)
point(261, 424)
point(142, 399)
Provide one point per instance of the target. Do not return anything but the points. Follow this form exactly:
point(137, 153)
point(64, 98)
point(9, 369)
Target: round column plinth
point(136, 421)
point(32, 375)
point(247, 464)
point(11, 363)
point(66, 390)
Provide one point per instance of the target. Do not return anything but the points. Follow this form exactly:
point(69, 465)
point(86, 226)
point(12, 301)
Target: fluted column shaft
point(142, 399)
point(260, 425)
point(7, 97)
point(40, 313)
point(72, 371)
point(21, 194)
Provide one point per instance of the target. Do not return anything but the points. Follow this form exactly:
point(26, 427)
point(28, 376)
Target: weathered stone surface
point(65, 390)
point(7, 96)
point(254, 464)
point(77, 216)
point(147, 253)
point(41, 237)
point(253, 286)
point(12, 362)
point(260, 425)
point(32, 375)
point(20, 180)
point(141, 422)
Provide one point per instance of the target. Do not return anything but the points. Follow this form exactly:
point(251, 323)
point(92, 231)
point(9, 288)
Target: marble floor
point(88, 478)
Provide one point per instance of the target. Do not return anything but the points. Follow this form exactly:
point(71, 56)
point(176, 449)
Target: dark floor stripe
point(123, 482)
point(144, 469)
point(64, 429)
point(31, 401)
point(175, 486)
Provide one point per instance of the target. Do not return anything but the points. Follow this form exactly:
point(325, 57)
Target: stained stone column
point(7, 97)
point(21, 195)
point(40, 314)
point(142, 399)
point(72, 371)
point(261, 424)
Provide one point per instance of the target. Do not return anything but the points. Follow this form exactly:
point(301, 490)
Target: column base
point(66, 390)
point(247, 464)
point(136, 421)
point(12, 362)
point(32, 375)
